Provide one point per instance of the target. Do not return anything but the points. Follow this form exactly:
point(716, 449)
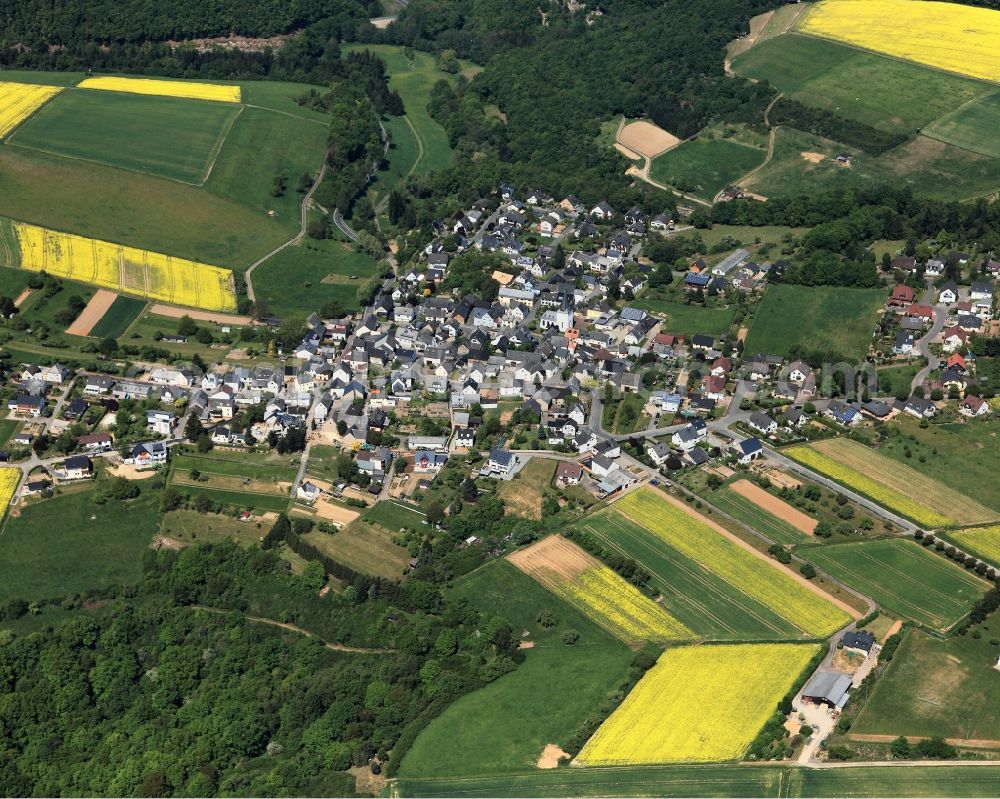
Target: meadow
point(895, 485)
point(703, 600)
point(240, 464)
point(683, 319)
point(165, 136)
point(751, 514)
point(903, 577)
point(122, 313)
point(763, 580)
point(365, 547)
point(936, 687)
point(983, 542)
point(504, 726)
point(666, 718)
point(947, 36)
point(721, 781)
point(191, 527)
point(69, 544)
point(596, 591)
point(970, 126)
point(705, 167)
point(523, 495)
point(393, 515)
point(824, 318)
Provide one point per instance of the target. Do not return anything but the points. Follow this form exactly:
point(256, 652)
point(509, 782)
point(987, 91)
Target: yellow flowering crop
point(698, 704)
point(755, 577)
point(891, 495)
point(18, 101)
point(983, 542)
point(9, 478)
point(115, 266)
point(956, 38)
point(165, 88)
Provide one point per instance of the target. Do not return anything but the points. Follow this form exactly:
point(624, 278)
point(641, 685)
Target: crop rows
point(165, 88)
point(9, 478)
point(18, 101)
point(881, 493)
point(115, 266)
point(698, 704)
point(753, 576)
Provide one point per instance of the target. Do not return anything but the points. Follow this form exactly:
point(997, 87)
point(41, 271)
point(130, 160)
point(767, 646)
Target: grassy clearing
point(171, 137)
point(523, 495)
point(239, 464)
point(936, 687)
point(894, 379)
point(46, 78)
point(393, 516)
point(960, 455)
point(249, 500)
point(971, 126)
point(904, 577)
point(322, 462)
point(68, 544)
point(756, 517)
point(722, 781)
point(364, 547)
point(404, 153)
point(747, 234)
point(882, 92)
point(825, 318)
point(705, 167)
point(504, 726)
point(324, 270)
point(683, 319)
point(709, 605)
point(192, 527)
point(122, 313)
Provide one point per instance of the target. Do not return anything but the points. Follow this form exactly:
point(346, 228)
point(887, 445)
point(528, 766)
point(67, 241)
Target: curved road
point(924, 344)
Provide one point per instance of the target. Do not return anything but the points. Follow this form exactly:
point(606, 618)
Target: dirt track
point(93, 313)
point(22, 297)
point(173, 312)
point(776, 507)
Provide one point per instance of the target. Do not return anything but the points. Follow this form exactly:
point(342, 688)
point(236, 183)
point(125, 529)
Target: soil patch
point(174, 312)
point(627, 152)
point(553, 554)
point(366, 783)
point(162, 542)
point(775, 506)
point(781, 480)
point(814, 158)
point(129, 472)
point(526, 645)
point(551, 755)
point(337, 514)
point(93, 313)
point(22, 297)
point(646, 138)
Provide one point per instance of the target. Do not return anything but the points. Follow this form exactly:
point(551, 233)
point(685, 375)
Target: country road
point(924, 344)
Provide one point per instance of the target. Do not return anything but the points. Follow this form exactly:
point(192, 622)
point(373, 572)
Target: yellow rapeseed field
point(957, 38)
point(754, 576)
point(18, 101)
point(983, 542)
point(115, 266)
point(9, 478)
point(165, 88)
point(698, 704)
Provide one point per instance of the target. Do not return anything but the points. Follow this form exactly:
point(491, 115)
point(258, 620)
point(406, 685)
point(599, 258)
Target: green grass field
point(893, 379)
point(962, 456)
point(937, 687)
point(722, 781)
point(68, 544)
point(903, 577)
point(122, 313)
point(171, 137)
point(701, 599)
point(404, 152)
point(882, 92)
point(748, 234)
point(43, 77)
point(504, 726)
point(320, 269)
point(756, 517)
point(392, 515)
point(685, 319)
point(821, 318)
point(705, 167)
point(241, 464)
point(192, 527)
point(971, 126)
point(250, 500)
point(366, 548)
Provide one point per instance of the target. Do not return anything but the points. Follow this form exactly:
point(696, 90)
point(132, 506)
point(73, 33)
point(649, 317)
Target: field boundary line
point(286, 113)
point(220, 142)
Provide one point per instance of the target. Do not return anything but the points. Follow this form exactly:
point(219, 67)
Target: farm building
point(862, 642)
point(730, 262)
point(828, 688)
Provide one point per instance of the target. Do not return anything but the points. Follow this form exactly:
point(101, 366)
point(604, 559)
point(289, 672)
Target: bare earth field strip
point(646, 138)
point(553, 555)
point(173, 312)
point(775, 506)
point(93, 313)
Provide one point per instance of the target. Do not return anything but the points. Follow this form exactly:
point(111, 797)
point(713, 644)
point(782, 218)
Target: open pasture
point(714, 608)
point(983, 542)
point(815, 318)
point(115, 266)
point(896, 486)
point(704, 167)
point(592, 588)
point(18, 101)
point(523, 495)
point(698, 704)
point(764, 580)
point(947, 36)
point(903, 577)
point(173, 138)
point(682, 319)
point(764, 512)
point(365, 547)
point(164, 88)
point(971, 126)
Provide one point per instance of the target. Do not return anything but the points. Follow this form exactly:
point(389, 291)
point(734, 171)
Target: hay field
point(114, 266)
point(899, 487)
point(597, 592)
point(165, 88)
point(698, 704)
point(948, 36)
point(18, 101)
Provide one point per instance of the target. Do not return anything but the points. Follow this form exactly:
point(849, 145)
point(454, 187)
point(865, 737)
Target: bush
point(840, 752)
